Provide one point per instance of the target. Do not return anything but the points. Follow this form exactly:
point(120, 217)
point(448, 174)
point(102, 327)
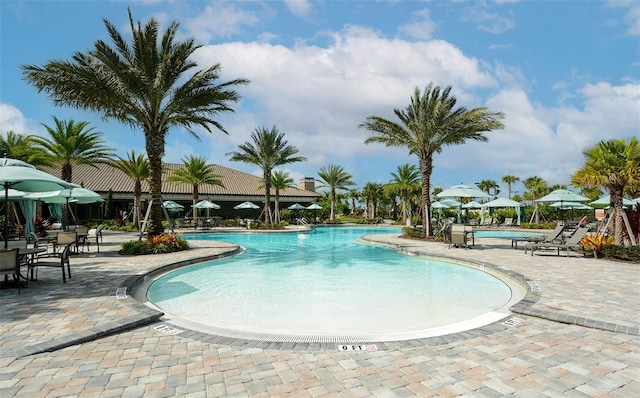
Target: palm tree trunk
point(332, 216)
point(137, 193)
point(277, 209)
point(155, 147)
point(616, 215)
point(426, 168)
point(267, 196)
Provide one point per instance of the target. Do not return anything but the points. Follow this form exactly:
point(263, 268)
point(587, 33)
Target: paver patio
point(86, 338)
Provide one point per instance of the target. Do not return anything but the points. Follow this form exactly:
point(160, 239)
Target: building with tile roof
point(238, 187)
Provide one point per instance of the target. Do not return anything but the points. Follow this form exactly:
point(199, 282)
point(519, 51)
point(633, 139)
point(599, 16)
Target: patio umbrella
point(606, 200)
point(205, 204)
point(562, 195)
point(13, 194)
point(314, 206)
point(463, 191)
point(171, 205)
point(246, 205)
point(571, 205)
point(77, 195)
point(19, 175)
point(504, 202)
point(296, 206)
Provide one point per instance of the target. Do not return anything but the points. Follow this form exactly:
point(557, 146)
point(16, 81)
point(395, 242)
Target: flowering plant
point(41, 226)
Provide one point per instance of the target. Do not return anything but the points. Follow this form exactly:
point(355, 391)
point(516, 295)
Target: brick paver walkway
point(85, 339)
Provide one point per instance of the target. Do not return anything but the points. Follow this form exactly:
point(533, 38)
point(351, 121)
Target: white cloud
point(221, 20)
point(319, 95)
point(421, 26)
point(492, 22)
point(299, 7)
point(12, 119)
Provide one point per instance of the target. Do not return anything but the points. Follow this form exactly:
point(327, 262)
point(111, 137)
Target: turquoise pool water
point(325, 283)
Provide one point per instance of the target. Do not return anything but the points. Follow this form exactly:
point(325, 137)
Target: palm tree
point(354, 195)
point(280, 180)
point(615, 166)
point(406, 181)
point(489, 185)
point(429, 124)
point(195, 172)
point(148, 83)
point(537, 188)
point(268, 150)
point(334, 177)
point(21, 147)
point(72, 143)
point(135, 167)
point(509, 179)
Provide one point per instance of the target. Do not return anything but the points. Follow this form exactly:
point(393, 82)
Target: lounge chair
point(572, 243)
point(508, 222)
point(554, 237)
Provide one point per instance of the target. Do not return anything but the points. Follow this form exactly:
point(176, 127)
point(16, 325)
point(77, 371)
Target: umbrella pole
point(6, 214)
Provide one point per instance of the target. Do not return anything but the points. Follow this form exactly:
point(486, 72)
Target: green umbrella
point(205, 204)
point(562, 195)
point(77, 195)
point(171, 205)
point(296, 206)
point(19, 175)
point(246, 205)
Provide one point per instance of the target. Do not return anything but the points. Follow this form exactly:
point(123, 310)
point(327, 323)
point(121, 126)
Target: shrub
point(626, 253)
point(164, 243)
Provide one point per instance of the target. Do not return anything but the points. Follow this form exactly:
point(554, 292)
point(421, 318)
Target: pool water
point(325, 283)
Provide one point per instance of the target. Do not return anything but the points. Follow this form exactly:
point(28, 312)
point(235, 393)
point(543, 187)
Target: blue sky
point(565, 73)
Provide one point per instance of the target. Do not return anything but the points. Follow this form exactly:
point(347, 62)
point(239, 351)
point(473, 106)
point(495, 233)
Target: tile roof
point(103, 178)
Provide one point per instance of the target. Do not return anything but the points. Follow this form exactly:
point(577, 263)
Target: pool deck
point(89, 338)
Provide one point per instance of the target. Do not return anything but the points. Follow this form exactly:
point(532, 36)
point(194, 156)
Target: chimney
point(308, 184)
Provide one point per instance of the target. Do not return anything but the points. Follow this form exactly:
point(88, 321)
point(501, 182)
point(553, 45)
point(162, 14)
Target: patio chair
point(63, 239)
point(94, 233)
point(572, 243)
point(56, 260)
point(556, 236)
point(460, 236)
point(10, 265)
point(39, 242)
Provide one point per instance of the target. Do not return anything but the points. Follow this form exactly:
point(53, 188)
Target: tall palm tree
point(537, 188)
point(615, 166)
point(354, 195)
point(268, 150)
point(509, 179)
point(406, 181)
point(21, 147)
point(148, 83)
point(73, 143)
point(334, 177)
point(195, 172)
point(280, 180)
point(427, 125)
point(135, 167)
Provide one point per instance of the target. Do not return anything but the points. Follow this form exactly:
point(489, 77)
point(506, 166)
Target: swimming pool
point(324, 284)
